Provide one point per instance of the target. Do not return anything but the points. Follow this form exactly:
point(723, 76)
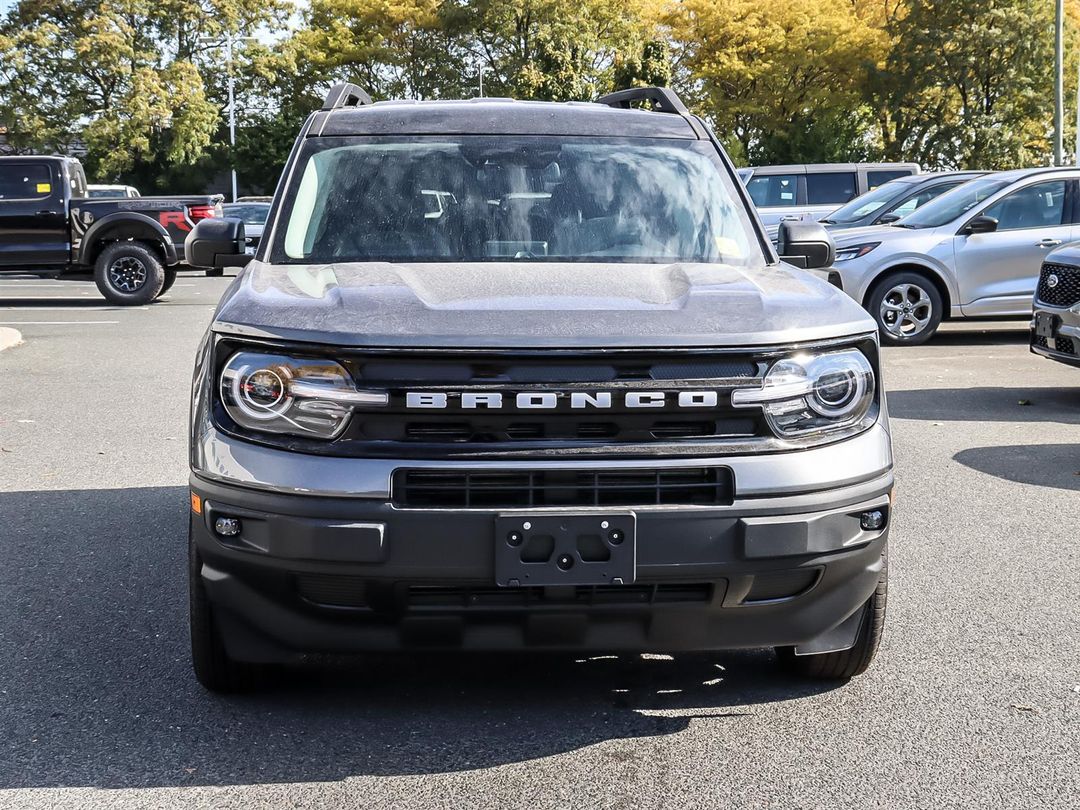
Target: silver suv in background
point(975, 251)
point(811, 191)
point(895, 200)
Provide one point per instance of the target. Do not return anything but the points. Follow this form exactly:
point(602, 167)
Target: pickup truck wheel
point(170, 279)
point(129, 274)
point(846, 664)
point(907, 307)
point(214, 669)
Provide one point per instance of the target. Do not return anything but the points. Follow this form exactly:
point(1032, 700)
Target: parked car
point(253, 215)
point(573, 401)
point(1055, 327)
point(48, 226)
point(813, 191)
point(894, 200)
point(974, 252)
point(98, 192)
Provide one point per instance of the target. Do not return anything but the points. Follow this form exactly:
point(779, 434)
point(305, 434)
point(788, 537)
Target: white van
point(813, 190)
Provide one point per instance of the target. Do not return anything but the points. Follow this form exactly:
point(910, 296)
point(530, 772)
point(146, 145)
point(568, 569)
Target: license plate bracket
point(565, 548)
point(1045, 325)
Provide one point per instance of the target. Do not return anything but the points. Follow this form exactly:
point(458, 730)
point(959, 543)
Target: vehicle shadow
point(1044, 465)
point(973, 335)
point(989, 404)
point(98, 689)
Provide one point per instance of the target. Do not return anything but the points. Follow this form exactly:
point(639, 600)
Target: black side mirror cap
point(979, 225)
point(886, 219)
point(806, 245)
point(216, 242)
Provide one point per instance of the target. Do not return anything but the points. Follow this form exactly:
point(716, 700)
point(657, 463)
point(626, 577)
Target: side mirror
point(216, 242)
point(805, 244)
point(979, 224)
point(886, 219)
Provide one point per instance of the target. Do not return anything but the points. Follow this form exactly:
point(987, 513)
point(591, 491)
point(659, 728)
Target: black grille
point(698, 486)
point(1065, 345)
point(1065, 292)
point(1040, 341)
point(336, 590)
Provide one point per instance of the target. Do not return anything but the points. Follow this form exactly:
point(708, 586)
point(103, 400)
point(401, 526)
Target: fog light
point(227, 526)
point(872, 521)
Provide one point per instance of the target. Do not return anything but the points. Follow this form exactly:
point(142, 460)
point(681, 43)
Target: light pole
point(231, 38)
point(1059, 95)
point(482, 81)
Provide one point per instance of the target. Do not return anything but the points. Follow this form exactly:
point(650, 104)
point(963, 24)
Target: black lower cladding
point(310, 574)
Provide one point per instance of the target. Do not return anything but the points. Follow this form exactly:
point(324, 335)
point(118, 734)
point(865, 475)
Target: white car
point(112, 192)
point(974, 251)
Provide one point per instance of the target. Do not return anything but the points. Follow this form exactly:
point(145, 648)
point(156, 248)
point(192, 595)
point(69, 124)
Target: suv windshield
point(953, 204)
point(480, 198)
point(868, 203)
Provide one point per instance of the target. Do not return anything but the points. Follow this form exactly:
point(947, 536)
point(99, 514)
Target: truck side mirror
point(980, 224)
point(805, 244)
point(216, 242)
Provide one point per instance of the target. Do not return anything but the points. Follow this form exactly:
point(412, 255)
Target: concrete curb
point(9, 338)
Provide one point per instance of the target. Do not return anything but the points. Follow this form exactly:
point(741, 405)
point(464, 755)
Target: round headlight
point(840, 383)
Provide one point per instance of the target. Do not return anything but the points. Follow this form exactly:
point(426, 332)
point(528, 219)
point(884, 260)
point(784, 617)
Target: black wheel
point(215, 271)
point(846, 664)
point(214, 668)
point(907, 307)
point(129, 274)
point(170, 279)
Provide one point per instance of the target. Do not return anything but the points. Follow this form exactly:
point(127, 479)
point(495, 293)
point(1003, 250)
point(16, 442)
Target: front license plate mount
point(565, 549)
point(1045, 324)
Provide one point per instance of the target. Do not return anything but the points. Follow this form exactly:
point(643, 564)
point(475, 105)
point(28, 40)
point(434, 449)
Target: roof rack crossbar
point(345, 94)
point(663, 99)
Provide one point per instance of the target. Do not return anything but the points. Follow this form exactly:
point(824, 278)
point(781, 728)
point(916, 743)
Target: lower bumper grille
point(511, 489)
point(353, 592)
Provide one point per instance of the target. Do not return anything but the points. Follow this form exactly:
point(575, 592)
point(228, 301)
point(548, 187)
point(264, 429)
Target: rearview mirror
point(980, 224)
point(216, 242)
point(805, 244)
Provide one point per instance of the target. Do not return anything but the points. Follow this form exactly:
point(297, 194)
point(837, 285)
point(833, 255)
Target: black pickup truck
point(49, 226)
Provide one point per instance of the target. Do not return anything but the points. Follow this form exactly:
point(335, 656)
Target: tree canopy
point(140, 87)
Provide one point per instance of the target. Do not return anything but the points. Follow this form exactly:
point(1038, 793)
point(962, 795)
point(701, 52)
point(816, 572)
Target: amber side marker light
point(196, 504)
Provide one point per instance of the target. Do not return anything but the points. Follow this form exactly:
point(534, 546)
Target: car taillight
point(197, 212)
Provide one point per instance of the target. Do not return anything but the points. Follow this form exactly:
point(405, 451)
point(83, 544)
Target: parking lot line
point(56, 323)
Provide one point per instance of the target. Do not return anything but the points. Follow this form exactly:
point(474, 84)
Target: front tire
point(214, 669)
point(129, 274)
point(908, 308)
point(846, 664)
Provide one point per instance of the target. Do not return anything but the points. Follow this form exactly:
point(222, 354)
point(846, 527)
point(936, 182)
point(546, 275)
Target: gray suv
point(509, 375)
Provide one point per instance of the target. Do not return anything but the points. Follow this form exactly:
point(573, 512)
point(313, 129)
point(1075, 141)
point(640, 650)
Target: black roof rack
point(663, 99)
point(345, 95)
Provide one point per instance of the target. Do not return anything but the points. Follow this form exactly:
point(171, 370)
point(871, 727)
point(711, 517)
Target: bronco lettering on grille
point(549, 400)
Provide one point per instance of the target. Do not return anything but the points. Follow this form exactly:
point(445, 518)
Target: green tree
point(783, 83)
point(968, 84)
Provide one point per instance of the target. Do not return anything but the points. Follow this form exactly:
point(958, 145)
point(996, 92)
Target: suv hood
point(517, 304)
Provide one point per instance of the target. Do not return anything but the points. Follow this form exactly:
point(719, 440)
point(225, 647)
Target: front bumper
point(1061, 340)
point(340, 573)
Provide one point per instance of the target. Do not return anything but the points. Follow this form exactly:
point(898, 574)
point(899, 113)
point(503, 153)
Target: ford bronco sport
point(509, 375)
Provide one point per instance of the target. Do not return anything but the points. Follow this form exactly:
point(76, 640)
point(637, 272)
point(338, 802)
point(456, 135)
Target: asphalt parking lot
point(974, 702)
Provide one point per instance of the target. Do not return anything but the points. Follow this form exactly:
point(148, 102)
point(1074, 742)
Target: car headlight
point(845, 254)
point(813, 393)
point(273, 393)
